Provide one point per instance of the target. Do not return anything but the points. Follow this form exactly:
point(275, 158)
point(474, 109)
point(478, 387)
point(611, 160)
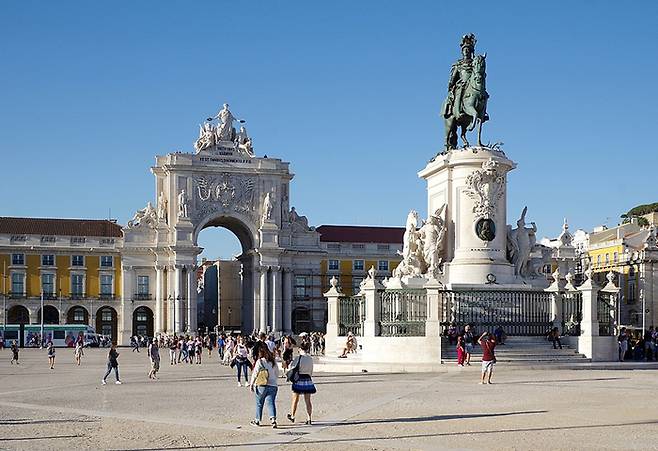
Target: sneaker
point(290, 418)
point(103, 382)
point(246, 384)
point(274, 425)
point(239, 384)
point(254, 423)
point(308, 422)
point(118, 382)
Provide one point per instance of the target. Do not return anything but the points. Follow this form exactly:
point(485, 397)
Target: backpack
point(262, 375)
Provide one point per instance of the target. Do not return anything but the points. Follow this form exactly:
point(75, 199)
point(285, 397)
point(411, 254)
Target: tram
point(62, 335)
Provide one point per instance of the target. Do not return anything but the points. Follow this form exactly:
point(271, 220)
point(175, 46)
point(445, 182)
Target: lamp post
point(41, 338)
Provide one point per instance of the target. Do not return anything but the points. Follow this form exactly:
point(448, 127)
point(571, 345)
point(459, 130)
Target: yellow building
point(74, 265)
point(620, 250)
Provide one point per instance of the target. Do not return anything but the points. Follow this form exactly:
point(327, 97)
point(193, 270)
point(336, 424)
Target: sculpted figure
point(145, 216)
point(412, 262)
point(520, 242)
point(182, 204)
point(431, 235)
point(225, 129)
point(466, 104)
point(296, 219)
point(268, 206)
point(162, 207)
point(243, 141)
point(206, 137)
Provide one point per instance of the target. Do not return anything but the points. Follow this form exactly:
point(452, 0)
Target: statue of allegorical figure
point(225, 130)
point(520, 242)
point(431, 235)
point(466, 103)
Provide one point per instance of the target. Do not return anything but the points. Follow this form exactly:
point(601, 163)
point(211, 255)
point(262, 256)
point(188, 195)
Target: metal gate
point(351, 315)
point(517, 312)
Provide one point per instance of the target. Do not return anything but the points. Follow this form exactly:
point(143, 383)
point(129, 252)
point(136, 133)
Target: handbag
point(262, 376)
point(293, 373)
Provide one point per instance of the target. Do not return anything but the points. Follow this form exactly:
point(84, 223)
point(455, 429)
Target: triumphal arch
point(221, 183)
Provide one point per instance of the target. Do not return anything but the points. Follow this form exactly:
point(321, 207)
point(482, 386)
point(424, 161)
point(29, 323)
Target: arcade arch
point(50, 316)
point(77, 315)
point(143, 321)
point(106, 322)
point(18, 314)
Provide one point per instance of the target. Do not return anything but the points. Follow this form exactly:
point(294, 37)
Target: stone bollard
point(333, 296)
point(556, 289)
point(370, 290)
point(432, 324)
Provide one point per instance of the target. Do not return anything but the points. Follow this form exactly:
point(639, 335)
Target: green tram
point(62, 335)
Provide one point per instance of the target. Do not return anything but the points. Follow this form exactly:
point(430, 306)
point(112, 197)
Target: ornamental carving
point(224, 194)
point(485, 186)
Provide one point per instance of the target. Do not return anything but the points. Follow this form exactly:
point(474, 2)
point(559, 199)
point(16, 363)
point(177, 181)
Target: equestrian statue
point(466, 104)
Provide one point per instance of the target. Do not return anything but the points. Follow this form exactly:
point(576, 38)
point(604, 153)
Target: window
point(598, 260)
point(48, 260)
point(47, 239)
point(143, 285)
point(615, 257)
point(106, 315)
point(358, 246)
point(77, 260)
point(79, 315)
point(631, 291)
point(333, 246)
point(333, 265)
point(358, 265)
point(17, 259)
point(59, 334)
point(18, 238)
point(383, 247)
point(78, 240)
point(141, 317)
point(382, 265)
point(607, 259)
point(48, 284)
point(106, 261)
point(18, 283)
point(300, 286)
point(106, 284)
point(77, 284)
point(356, 284)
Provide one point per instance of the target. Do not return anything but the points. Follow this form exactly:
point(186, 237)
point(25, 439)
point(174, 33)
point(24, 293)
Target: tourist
point(173, 346)
point(154, 357)
point(198, 349)
point(78, 350)
point(300, 374)
point(134, 342)
point(452, 334)
point(271, 344)
point(112, 364)
point(191, 351)
point(229, 348)
point(264, 385)
point(51, 355)
point(14, 352)
point(469, 342)
point(488, 342)
point(554, 336)
point(182, 350)
point(288, 344)
point(622, 339)
point(461, 350)
point(241, 360)
point(350, 346)
point(648, 344)
point(221, 342)
point(500, 335)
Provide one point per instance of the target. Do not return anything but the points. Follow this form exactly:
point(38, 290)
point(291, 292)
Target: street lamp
point(41, 340)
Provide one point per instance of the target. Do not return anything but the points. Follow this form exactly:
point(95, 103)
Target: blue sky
point(348, 92)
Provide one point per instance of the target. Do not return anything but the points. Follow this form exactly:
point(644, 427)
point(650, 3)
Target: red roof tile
point(66, 227)
point(360, 234)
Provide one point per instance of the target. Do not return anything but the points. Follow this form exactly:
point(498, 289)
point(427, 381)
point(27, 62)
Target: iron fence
point(525, 313)
point(572, 313)
point(606, 312)
point(351, 315)
point(402, 313)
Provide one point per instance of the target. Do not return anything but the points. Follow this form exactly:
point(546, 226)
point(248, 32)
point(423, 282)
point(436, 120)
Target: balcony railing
point(142, 296)
point(49, 296)
point(77, 296)
point(107, 296)
point(17, 295)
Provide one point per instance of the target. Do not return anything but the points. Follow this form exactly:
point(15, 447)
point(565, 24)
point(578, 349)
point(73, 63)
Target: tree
point(638, 212)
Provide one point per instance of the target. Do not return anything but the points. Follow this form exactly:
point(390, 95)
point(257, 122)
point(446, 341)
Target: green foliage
point(637, 212)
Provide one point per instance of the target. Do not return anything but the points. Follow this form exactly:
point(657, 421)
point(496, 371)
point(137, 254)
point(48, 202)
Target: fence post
point(433, 295)
point(589, 326)
point(556, 289)
point(613, 290)
point(333, 295)
point(370, 289)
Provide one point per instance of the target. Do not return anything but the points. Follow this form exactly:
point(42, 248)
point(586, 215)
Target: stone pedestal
point(472, 183)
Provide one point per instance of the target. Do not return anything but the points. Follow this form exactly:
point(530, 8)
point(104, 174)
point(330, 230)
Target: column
point(124, 316)
point(191, 299)
point(178, 278)
point(277, 309)
point(263, 299)
point(287, 300)
point(159, 307)
point(255, 282)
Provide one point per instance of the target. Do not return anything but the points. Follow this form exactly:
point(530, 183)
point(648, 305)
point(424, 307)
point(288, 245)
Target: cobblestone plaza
point(199, 407)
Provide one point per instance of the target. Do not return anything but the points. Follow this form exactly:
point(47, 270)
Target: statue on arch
point(520, 242)
point(162, 207)
point(145, 217)
point(466, 104)
point(182, 204)
point(207, 137)
point(225, 130)
point(268, 207)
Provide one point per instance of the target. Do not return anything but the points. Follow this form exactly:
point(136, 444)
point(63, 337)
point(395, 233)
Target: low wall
point(392, 349)
point(599, 349)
